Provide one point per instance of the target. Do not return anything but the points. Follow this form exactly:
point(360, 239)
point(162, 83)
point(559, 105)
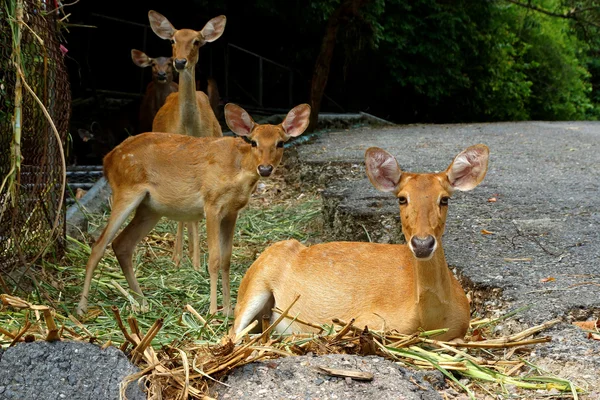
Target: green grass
point(168, 289)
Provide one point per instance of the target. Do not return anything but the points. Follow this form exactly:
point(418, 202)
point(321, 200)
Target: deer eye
point(279, 144)
point(444, 201)
point(196, 42)
point(172, 41)
point(402, 200)
point(253, 143)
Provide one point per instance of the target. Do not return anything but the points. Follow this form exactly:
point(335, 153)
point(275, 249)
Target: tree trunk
point(347, 9)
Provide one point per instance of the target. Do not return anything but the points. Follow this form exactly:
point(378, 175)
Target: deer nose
point(422, 247)
point(162, 75)
point(265, 170)
point(180, 63)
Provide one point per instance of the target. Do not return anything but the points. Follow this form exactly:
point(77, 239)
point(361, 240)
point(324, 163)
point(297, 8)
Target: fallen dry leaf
point(477, 336)
point(486, 232)
point(588, 325)
point(492, 200)
point(548, 279)
point(593, 336)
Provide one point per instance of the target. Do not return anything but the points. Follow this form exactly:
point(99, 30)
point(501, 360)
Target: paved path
point(544, 252)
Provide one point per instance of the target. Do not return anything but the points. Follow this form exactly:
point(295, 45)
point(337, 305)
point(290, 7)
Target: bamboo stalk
point(344, 330)
point(6, 333)
point(15, 153)
point(52, 329)
point(117, 315)
point(21, 333)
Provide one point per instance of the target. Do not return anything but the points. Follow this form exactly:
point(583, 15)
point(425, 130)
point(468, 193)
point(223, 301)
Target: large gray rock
point(296, 378)
point(65, 370)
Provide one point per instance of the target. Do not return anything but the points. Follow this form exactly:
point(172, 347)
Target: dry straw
point(186, 369)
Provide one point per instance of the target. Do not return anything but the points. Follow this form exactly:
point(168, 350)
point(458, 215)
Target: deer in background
point(189, 110)
point(158, 89)
point(395, 287)
point(182, 178)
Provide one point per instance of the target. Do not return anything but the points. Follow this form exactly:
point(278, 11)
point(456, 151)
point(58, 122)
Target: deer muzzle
point(422, 247)
point(265, 170)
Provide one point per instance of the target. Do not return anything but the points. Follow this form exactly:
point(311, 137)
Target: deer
point(158, 89)
point(401, 287)
point(183, 177)
point(187, 111)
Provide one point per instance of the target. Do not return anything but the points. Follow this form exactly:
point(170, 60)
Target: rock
point(57, 370)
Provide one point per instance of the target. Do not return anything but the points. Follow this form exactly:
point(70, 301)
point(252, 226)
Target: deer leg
point(178, 246)
point(122, 207)
point(213, 227)
point(226, 244)
point(194, 244)
point(124, 245)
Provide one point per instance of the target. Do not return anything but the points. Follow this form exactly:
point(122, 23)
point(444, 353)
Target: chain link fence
point(26, 225)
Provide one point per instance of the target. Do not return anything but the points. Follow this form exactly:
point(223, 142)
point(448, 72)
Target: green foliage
point(560, 79)
point(466, 60)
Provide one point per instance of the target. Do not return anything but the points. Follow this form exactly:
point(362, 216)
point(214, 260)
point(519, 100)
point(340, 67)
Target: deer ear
point(382, 169)
point(468, 168)
point(296, 121)
point(140, 58)
point(214, 28)
point(238, 119)
point(161, 25)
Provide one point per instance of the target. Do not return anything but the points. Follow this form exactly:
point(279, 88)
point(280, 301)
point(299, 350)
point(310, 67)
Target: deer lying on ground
point(183, 177)
point(188, 111)
point(383, 286)
point(157, 91)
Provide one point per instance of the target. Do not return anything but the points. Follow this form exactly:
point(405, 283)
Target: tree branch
point(572, 14)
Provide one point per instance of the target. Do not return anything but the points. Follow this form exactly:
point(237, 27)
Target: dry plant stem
point(300, 321)
point(344, 330)
point(72, 332)
point(63, 165)
point(145, 342)
point(515, 369)
point(117, 315)
point(133, 325)
point(272, 350)
point(21, 333)
point(358, 375)
point(15, 170)
point(195, 313)
point(6, 333)
point(186, 368)
point(493, 345)
point(241, 352)
point(81, 326)
point(106, 345)
point(52, 329)
point(340, 322)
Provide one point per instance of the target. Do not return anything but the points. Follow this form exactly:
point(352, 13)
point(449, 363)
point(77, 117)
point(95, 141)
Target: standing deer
point(390, 286)
point(188, 111)
point(157, 91)
point(183, 177)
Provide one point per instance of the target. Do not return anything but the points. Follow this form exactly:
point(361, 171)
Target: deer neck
point(433, 283)
point(190, 122)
